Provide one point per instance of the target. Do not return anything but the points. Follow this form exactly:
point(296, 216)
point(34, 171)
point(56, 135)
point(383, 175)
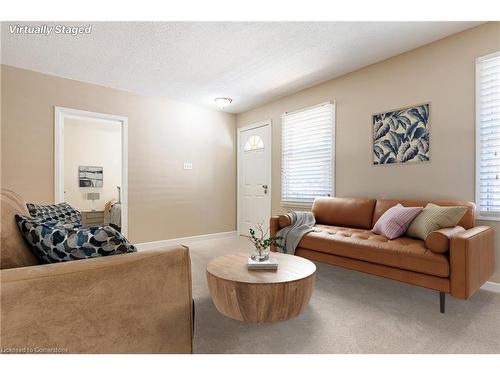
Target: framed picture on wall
point(401, 136)
point(90, 176)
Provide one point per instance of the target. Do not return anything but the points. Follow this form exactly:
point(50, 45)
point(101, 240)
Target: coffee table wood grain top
point(260, 295)
point(233, 267)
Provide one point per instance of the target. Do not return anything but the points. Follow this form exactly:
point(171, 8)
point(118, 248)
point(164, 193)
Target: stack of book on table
point(270, 264)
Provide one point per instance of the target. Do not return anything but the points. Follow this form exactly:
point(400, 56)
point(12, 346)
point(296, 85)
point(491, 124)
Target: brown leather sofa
point(461, 259)
point(132, 303)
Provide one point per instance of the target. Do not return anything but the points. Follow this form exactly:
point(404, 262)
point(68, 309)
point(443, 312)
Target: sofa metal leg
point(442, 300)
point(193, 316)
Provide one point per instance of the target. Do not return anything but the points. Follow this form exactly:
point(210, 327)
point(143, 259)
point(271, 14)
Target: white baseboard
point(184, 240)
point(491, 286)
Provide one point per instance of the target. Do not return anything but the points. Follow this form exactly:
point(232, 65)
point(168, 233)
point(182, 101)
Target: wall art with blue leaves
point(401, 136)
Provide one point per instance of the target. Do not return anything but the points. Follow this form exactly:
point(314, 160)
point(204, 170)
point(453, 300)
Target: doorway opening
point(91, 166)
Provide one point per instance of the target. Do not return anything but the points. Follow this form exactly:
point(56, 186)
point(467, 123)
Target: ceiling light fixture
point(223, 102)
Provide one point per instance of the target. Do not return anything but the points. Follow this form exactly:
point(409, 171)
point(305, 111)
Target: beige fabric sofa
point(131, 303)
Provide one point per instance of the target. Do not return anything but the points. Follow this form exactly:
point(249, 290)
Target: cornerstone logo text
point(32, 350)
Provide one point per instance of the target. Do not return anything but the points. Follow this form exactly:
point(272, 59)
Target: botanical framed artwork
point(402, 136)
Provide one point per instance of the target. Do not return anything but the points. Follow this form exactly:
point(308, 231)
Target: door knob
point(264, 186)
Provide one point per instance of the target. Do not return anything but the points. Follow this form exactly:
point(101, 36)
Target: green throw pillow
point(434, 217)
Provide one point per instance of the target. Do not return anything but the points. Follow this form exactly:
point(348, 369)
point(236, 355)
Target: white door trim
point(60, 114)
point(259, 124)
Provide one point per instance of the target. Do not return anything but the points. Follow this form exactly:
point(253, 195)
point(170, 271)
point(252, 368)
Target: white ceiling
point(251, 62)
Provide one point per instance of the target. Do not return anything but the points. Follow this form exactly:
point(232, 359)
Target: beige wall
point(165, 201)
point(442, 73)
point(92, 143)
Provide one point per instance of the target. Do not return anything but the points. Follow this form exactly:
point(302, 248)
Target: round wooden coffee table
point(260, 296)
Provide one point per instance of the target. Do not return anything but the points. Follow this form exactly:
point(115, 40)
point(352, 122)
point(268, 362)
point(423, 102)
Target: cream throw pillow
point(435, 217)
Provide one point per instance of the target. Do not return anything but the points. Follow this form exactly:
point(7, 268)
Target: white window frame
point(494, 216)
point(302, 205)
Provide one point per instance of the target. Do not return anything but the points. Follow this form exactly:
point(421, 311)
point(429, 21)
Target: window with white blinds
point(307, 154)
point(488, 136)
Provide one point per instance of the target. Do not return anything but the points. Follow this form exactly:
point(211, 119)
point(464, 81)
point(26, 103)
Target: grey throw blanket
point(301, 223)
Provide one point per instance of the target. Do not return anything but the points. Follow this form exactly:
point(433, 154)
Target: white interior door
point(254, 167)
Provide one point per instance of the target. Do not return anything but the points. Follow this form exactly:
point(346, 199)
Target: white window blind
point(488, 136)
point(307, 154)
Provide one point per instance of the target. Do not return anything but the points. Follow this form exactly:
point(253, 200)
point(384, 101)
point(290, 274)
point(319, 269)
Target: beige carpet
point(349, 312)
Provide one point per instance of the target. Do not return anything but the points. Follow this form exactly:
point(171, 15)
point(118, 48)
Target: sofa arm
point(277, 223)
point(274, 227)
point(130, 303)
point(472, 260)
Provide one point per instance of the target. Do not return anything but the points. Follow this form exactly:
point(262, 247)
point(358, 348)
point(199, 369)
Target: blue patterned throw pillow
point(54, 242)
point(55, 212)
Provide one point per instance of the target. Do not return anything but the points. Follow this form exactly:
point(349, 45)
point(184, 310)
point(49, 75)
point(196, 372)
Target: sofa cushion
point(467, 221)
point(439, 240)
point(395, 221)
point(435, 217)
point(54, 242)
point(61, 212)
point(14, 252)
point(403, 252)
point(348, 212)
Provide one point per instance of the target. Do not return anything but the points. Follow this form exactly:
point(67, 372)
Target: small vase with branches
point(262, 243)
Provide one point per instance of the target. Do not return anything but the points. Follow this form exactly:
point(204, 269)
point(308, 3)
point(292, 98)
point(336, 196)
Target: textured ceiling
point(251, 62)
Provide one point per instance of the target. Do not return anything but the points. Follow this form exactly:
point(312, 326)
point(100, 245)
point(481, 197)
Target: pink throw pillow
point(395, 221)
